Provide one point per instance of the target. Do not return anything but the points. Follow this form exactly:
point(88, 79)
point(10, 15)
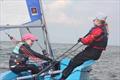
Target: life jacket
point(101, 41)
point(17, 58)
point(17, 47)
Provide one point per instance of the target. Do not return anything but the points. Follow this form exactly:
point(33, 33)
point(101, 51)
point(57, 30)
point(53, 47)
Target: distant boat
point(29, 17)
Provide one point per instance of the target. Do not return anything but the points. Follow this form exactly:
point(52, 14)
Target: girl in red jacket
point(96, 41)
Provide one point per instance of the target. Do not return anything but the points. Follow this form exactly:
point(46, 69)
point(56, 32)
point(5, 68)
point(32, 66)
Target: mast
point(45, 30)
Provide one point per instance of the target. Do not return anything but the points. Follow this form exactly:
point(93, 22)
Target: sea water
point(106, 68)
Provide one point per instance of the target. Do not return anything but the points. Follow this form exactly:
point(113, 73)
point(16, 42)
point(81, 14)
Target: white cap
point(101, 16)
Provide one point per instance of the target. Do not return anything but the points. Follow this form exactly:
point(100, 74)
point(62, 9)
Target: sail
point(34, 9)
point(18, 17)
point(17, 12)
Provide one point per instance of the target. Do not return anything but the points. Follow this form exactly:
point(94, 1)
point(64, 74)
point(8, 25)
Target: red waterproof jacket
point(96, 38)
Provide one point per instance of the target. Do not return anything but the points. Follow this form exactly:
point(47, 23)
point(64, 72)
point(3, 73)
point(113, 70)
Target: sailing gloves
point(79, 40)
point(44, 52)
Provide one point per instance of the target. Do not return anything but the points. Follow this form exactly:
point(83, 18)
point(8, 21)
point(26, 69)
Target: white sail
point(13, 12)
point(17, 12)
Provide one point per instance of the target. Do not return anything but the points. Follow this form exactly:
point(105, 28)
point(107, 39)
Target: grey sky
point(67, 20)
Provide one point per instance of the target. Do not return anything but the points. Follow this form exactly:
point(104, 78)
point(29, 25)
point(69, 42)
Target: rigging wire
point(45, 30)
point(11, 38)
point(55, 61)
point(43, 50)
point(70, 53)
point(52, 63)
point(36, 41)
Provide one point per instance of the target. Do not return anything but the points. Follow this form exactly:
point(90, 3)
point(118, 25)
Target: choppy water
point(106, 68)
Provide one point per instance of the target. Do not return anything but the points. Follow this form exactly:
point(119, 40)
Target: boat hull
point(79, 73)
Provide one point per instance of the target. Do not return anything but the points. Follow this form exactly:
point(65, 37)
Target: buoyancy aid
point(101, 41)
point(17, 58)
point(96, 38)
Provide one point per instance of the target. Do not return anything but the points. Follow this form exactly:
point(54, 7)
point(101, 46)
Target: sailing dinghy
point(26, 16)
